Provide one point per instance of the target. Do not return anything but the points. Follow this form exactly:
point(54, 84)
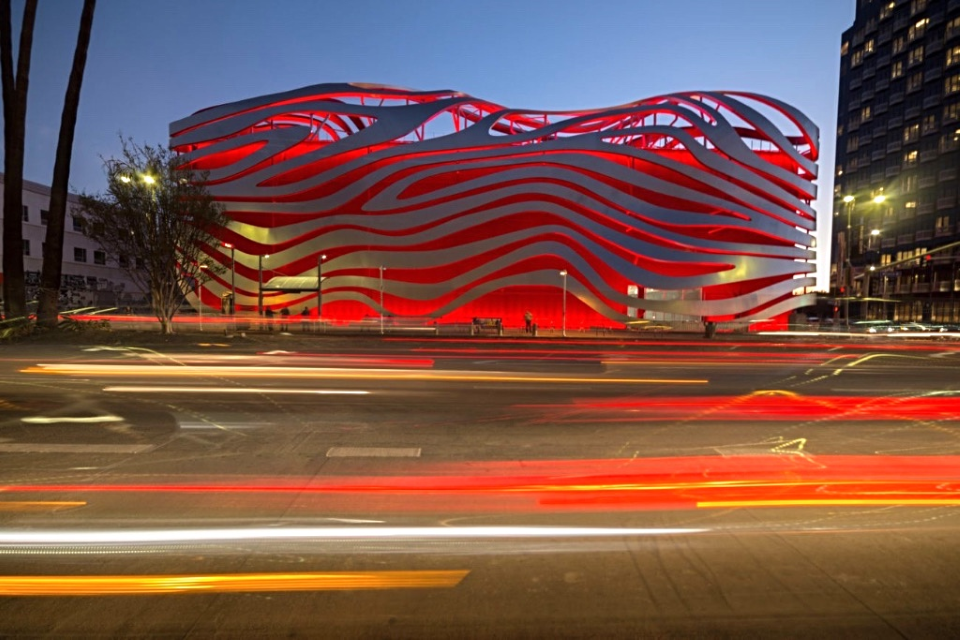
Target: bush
point(83, 326)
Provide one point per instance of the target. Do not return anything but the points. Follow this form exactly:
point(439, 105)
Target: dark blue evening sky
point(154, 62)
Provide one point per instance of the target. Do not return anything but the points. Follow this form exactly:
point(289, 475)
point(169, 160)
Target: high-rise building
point(896, 249)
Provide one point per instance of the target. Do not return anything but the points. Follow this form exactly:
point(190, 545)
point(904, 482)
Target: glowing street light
point(233, 277)
point(320, 260)
point(260, 283)
point(382, 269)
point(563, 331)
point(203, 267)
point(846, 281)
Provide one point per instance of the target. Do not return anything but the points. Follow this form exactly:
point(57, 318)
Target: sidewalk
point(244, 325)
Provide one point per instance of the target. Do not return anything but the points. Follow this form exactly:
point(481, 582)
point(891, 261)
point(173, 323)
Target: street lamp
point(563, 330)
point(843, 274)
point(847, 267)
point(260, 283)
point(203, 267)
point(233, 277)
point(320, 260)
point(382, 269)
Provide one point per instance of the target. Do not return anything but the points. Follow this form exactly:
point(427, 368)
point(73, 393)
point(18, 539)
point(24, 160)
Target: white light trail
point(323, 533)
point(71, 420)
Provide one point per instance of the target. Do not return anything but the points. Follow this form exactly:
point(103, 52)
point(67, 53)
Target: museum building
point(355, 200)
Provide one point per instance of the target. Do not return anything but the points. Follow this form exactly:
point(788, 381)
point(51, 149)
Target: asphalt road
point(321, 486)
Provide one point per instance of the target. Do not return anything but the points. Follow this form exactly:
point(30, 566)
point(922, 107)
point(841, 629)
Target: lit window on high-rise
point(918, 29)
point(951, 85)
point(911, 133)
point(915, 56)
point(951, 112)
point(953, 56)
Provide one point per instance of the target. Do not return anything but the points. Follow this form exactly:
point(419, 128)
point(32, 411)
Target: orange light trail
point(340, 374)
point(227, 583)
point(831, 502)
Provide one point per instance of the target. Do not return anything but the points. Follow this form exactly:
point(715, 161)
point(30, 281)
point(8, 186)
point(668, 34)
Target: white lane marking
point(40, 447)
point(373, 452)
point(217, 426)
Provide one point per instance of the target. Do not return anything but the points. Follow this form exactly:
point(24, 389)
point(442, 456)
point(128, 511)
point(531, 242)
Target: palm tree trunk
point(47, 312)
point(14, 129)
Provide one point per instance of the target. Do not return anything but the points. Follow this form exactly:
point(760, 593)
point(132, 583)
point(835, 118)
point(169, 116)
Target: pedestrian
point(528, 321)
point(284, 314)
point(304, 319)
point(269, 314)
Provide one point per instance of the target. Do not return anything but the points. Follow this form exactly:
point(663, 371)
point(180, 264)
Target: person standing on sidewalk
point(284, 314)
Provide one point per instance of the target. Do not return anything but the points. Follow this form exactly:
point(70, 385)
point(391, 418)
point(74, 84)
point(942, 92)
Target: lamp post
point(233, 277)
point(847, 280)
point(199, 297)
point(260, 283)
point(320, 260)
point(865, 308)
point(563, 330)
point(382, 268)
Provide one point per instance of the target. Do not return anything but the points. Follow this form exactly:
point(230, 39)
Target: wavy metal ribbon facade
point(687, 205)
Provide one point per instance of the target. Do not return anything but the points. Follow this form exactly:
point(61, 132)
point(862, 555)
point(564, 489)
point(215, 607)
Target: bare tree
point(155, 221)
point(14, 129)
point(47, 311)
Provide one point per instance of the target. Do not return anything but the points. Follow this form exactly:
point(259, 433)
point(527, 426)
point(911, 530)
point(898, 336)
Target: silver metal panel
point(743, 175)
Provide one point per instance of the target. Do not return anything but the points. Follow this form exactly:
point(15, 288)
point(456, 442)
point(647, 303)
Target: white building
point(90, 276)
